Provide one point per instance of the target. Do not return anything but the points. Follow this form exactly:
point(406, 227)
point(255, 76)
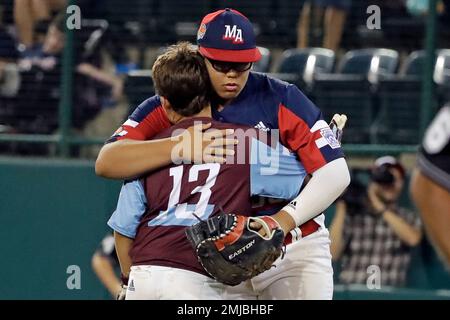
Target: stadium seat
point(349, 94)
point(442, 76)
point(306, 61)
point(373, 63)
point(138, 87)
point(303, 64)
point(442, 67)
point(399, 100)
point(351, 90)
point(413, 65)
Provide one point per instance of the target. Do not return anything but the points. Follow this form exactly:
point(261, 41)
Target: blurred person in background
point(371, 229)
point(28, 15)
point(105, 265)
point(430, 183)
point(310, 23)
point(94, 88)
point(419, 8)
point(9, 81)
point(9, 72)
point(51, 54)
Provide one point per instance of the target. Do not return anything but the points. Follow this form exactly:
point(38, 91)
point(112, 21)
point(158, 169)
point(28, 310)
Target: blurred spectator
point(371, 229)
point(9, 81)
point(9, 73)
point(335, 13)
point(105, 263)
point(94, 88)
point(28, 14)
point(419, 8)
point(430, 183)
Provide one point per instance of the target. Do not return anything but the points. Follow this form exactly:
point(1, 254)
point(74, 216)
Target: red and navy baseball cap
point(227, 35)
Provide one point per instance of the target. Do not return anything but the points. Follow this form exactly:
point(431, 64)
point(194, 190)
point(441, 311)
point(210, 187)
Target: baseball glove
point(230, 251)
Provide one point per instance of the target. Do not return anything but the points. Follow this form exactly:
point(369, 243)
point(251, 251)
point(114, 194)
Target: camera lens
point(382, 175)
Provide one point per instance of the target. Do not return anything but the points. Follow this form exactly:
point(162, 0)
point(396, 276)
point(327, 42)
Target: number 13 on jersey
point(181, 214)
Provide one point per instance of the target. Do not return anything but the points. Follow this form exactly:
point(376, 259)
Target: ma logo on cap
point(233, 33)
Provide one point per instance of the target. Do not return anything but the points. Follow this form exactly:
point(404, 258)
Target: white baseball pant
point(166, 283)
point(305, 273)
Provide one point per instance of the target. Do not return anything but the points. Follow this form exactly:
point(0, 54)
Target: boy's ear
point(171, 114)
point(165, 104)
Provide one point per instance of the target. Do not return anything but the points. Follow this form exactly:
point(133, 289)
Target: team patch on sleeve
point(327, 138)
point(326, 135)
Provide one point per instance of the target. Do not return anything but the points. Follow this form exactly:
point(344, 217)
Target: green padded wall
point(52, 215)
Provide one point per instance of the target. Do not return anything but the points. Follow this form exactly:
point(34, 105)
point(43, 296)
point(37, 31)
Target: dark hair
point(180, 76)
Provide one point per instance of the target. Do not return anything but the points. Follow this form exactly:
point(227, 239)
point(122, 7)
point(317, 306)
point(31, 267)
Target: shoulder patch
point(327, 138)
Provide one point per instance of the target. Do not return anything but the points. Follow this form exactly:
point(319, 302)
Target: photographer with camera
point(371, 229)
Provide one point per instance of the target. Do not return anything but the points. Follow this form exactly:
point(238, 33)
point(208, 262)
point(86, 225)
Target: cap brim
point(250, 55)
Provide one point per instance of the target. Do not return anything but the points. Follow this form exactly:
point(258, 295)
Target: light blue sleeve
point(274, 172)
point(131, 205)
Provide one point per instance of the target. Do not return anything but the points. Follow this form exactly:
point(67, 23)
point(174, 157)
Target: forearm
point(326, 184)
point(105, 272)
point(130, 158)
point(407, 233)
point(24, 21)
point(337, 230)
point(123, 246)
point(285, 221)
point(97, 74)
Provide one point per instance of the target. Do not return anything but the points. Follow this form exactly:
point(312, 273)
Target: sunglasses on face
point(225, 67)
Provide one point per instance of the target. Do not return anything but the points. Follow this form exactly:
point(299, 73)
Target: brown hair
point(180, 76)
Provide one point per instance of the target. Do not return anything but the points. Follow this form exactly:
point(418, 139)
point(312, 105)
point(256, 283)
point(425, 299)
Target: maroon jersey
point(157, 210)
point(175, 192)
